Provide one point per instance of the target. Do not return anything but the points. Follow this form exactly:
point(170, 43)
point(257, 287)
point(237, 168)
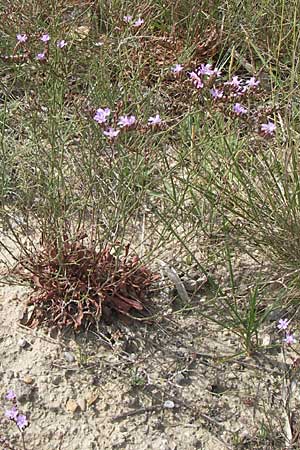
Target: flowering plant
point(13, 414)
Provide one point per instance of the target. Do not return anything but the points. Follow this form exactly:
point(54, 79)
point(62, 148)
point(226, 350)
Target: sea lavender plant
point(13, 414)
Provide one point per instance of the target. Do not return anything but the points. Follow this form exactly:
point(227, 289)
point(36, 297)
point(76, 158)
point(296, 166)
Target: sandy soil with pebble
point(172, 384)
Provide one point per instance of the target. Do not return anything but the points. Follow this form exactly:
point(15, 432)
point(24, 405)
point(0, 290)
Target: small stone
point(54, 406)
point(82, 404)
point(190, 285)
point(266, 340)
point(179, 378)
point(28, 379)
point(71, 406)
point(22, 343)
point(69, 357)
point(91, 398)
point(169, 404)
point(231, 376)
point(56, 380)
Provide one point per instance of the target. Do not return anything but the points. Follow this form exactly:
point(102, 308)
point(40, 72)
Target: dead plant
point(74, 283)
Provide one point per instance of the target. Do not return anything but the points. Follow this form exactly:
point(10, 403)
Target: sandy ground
point(169, 385)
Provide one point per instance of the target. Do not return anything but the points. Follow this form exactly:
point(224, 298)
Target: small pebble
point(56, 380)
point(28, 379)
point(82, 404)
point(266, 340)
point(71, 406)
point(54, 406)
point(91, 398)
point(169, 404)
point(69, 357)
point(22, 343)
point(179, 378)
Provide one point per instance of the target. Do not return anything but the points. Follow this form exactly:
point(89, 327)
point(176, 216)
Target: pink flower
point(22, 38)
point(177, 68)
point(235, 82)
point(156, 120)
point(61, 44)
point(22, 421)
point(111, 133)
point(10, 395)
point(239, 109)
point(253, 82)
point(127, 19)
point(126, 121)
point(102, 115)
point(138, 22)
point(205, 69)
point(283, 324)
point(40, 56)
point(216, 93)
point(196, 80)
point(45, 38)
point(12, 413)
point(268, 128)
point(289, 339)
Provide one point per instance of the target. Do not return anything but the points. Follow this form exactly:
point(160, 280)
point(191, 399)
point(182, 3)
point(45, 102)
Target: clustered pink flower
point(40, 56)
point(283, 324)
point(22, 421)
point(10, 395)
point(177, 68)
point(242, 86)
point(202, 71)
point(45, 38)
point(61, 44)
point(13, 413)
point(216, 93)
point(196, 80)
point(289, 338)
point(127, 19)
point(235, 87)
point(235, 82)
point(253, 82)
point(205, 69)
point(111, 133)
point(156, 120)
point(268, 128)
point(239, 109)
point(137, 23)
point(22, 38)
point(126, 121)
point(102, 115)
